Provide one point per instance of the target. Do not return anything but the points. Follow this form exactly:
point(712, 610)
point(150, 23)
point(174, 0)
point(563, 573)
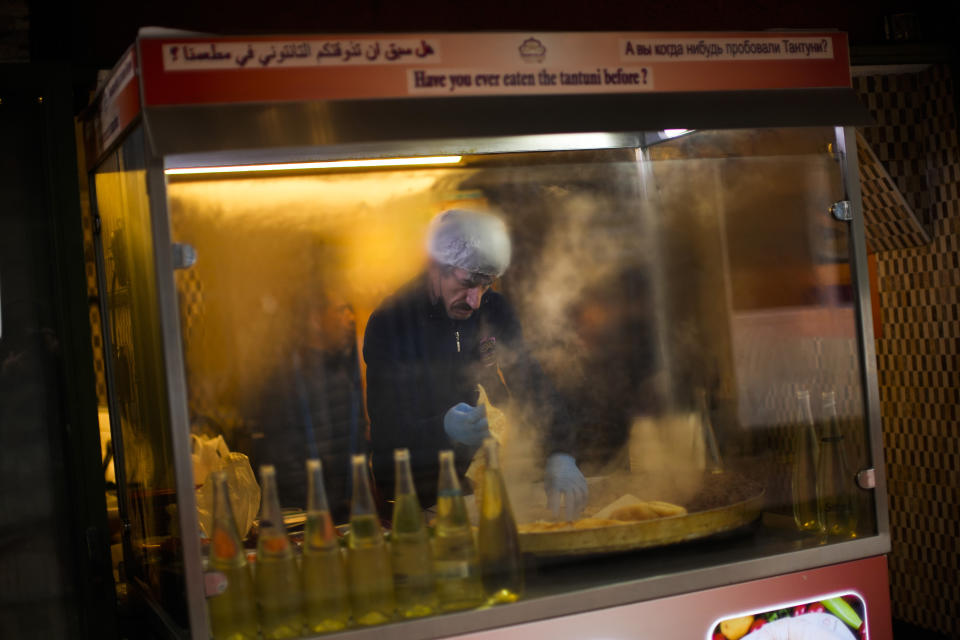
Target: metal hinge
point(184, 255)
point(842, 210)
point(835, 153)
point(867, 479)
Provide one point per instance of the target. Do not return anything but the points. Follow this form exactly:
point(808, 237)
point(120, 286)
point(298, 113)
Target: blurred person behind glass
point(313, 406)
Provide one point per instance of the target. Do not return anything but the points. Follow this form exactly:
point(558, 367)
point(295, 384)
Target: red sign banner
point(117, 106)
point(197, 70)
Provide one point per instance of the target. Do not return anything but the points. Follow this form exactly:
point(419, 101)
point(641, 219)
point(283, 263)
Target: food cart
point(689, 269)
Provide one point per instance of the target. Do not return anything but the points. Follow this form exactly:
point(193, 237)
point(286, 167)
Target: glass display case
point(668, 329)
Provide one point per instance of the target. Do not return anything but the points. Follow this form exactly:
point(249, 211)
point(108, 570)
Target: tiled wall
point(890, 221)
point(918, 348)
point(90, 268)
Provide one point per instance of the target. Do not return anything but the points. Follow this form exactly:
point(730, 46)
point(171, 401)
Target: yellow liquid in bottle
point(413, 575)
point(834, 485)
point(412, 560)
point(232, 614)
point(455, 564)
point(326, 600)
point(278, 594)
point(369, 572)
point(323, 571)
point(502, 570)
point(804, 484)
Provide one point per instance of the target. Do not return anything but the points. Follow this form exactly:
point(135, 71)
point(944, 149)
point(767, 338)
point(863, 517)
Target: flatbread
point(496, 419)
point(497, 423)
point(624, 510)
point(634, 512)
point(625, 500)
point(542, 526)
point(594, 523)
point(667, 509)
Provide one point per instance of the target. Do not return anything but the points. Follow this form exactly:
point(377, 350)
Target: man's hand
point(466, 424)
point(562, 477)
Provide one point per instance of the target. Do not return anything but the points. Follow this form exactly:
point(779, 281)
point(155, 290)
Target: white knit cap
point(475, 241)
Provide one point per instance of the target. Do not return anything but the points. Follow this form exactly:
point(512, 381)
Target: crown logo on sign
point(532, 50)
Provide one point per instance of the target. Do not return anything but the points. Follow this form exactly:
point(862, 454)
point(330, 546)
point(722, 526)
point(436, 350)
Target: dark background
point(93, 35)
point(41, 227)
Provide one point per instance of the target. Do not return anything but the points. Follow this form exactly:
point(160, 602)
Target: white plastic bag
point(212, 454)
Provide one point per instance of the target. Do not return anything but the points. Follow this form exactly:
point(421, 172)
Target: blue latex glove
point(466, 424)
point(561, 477)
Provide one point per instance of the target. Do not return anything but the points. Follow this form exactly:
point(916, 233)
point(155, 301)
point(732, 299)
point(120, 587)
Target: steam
point(580, 285)
point(575, 255)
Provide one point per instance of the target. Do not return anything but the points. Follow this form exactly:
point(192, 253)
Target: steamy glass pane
point(661, 310)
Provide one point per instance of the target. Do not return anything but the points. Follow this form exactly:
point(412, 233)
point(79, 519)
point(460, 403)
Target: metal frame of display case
point(847, 140)
point(205, 136)
point(525, 611)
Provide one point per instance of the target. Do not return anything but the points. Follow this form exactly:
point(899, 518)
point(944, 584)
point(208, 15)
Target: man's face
point(460, 291)
point(333, 325)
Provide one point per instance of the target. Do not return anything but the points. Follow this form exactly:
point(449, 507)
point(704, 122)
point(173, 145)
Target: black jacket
point(420, 363)
point(311, 408)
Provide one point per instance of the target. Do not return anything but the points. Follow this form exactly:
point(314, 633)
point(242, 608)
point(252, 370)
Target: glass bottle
point(276, 575)
point(410, 546)
point(233, 612)
point(326, 599)
point(803, 483)
point(368, 560)
point(455, 563)
point(834, 480)
point(501, 568)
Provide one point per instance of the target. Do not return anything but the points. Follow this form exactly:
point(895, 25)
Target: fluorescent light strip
point(330, 164)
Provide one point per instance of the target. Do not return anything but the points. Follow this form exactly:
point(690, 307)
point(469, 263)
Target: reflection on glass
point(326, 601)
point(501, 566)
point(131, 327)
point(660, 308)
point(455, 562)
point(233, 612)
point(835, 487)
point(368, 558)
point(410, 547)
point(277, 578)
point(805, 467)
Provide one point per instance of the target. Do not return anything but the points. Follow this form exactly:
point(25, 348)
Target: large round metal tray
point(726, 502)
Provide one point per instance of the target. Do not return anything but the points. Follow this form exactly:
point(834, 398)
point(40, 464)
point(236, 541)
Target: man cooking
point(430, 344)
